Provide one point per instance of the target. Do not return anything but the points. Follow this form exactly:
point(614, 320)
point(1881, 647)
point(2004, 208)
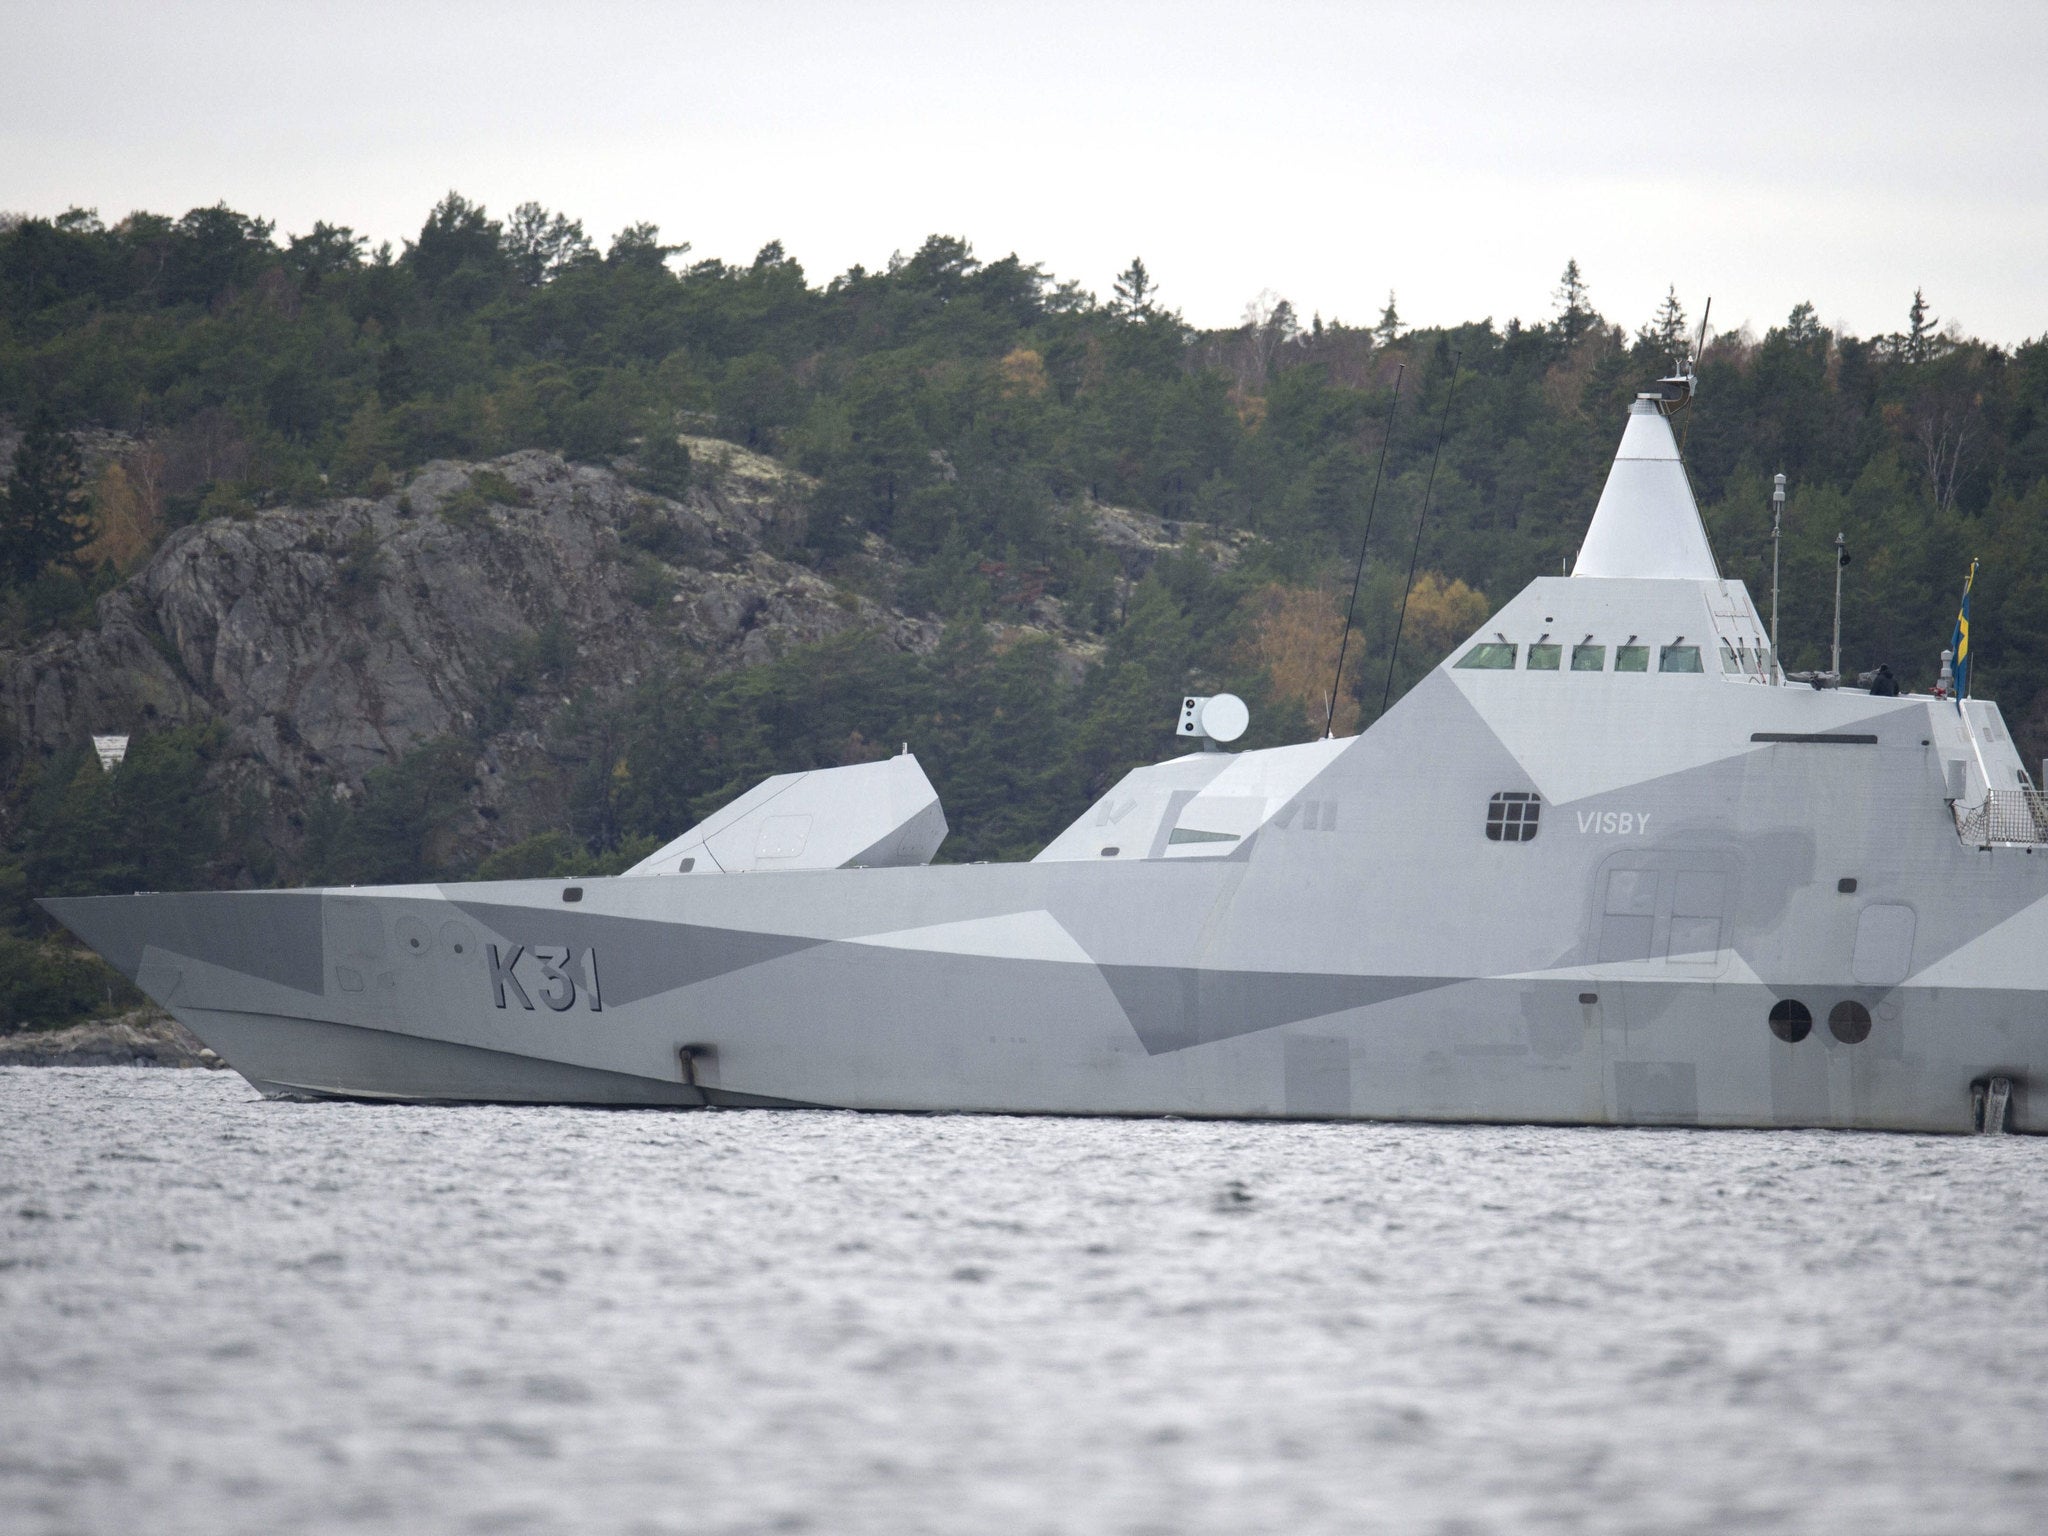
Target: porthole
point(1849, 1022)
point(1791, 1022)
point(1111, 852)
point(1512, 815)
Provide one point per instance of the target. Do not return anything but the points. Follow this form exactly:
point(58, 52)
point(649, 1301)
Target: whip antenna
point(1330, 714)
point(1692, 369)
point(1416, 554)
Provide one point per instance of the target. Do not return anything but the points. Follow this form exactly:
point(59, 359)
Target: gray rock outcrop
point(142, 1037)
point(332, 638)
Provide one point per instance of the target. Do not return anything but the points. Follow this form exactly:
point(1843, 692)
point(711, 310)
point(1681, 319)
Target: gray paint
point(284, 946)
point(641, 959)
point(1174, 1008)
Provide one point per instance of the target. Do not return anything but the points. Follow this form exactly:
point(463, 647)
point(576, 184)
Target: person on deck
point(1884, 685)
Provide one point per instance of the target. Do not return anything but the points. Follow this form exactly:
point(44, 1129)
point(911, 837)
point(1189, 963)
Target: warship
point(1607, 864)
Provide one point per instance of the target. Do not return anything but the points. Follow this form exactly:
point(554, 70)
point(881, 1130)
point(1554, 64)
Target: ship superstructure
point(1603, 865)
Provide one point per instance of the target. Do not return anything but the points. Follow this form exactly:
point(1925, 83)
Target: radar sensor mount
point(1213, 720)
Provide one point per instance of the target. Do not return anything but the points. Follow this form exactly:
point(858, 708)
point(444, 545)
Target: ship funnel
point(1647, 523)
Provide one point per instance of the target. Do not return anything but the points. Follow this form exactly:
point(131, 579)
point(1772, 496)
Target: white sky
point(1455, 152)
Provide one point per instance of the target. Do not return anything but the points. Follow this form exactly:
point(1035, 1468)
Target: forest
point(965, 411)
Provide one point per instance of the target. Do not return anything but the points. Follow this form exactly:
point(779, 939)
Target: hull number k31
point(564, 974)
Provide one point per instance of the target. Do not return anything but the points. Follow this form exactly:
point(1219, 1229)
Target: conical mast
point(1647, 523)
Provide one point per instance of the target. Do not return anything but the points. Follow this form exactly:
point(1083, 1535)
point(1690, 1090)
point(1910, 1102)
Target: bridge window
point(1680, 658)
point(1545, 658)
point(1489, 657)
point(1730, 662)
point(1589, 658)
point(1631, 658)
point(1511, 816)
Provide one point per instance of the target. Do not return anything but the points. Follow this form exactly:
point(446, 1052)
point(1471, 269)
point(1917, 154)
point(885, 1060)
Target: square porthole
point(1512, 816)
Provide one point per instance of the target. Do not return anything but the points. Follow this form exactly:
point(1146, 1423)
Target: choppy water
point(219, 1314)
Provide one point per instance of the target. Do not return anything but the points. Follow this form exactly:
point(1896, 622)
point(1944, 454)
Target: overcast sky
point(1456, 153)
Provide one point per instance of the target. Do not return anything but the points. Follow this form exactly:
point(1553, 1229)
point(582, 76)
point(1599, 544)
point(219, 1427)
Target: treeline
point(959, 407)
point(966, 410)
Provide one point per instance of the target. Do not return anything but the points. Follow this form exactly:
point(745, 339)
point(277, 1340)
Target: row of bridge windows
point(1500, 656)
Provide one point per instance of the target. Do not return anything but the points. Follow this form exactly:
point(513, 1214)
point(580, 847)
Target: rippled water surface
point(222, 1314)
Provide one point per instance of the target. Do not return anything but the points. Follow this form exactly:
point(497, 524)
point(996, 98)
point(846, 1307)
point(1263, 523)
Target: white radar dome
point(1218, 717)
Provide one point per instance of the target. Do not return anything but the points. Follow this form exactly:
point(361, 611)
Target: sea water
point(220, 1314)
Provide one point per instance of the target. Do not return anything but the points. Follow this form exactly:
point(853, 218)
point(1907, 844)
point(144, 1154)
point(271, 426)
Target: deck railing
point(2006, 816)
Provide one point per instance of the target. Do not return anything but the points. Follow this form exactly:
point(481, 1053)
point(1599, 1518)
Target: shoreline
point(144, 1037)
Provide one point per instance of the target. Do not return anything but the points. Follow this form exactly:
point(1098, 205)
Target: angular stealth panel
point(274, 935)
point(874, 815)
point(638, 958)
point(1033, 935)
point(1228, 794)
point(1174, 1007)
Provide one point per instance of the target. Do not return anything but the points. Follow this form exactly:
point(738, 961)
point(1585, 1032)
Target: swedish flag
point(1961, 643)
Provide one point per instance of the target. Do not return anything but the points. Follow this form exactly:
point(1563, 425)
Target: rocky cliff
point(473, 602)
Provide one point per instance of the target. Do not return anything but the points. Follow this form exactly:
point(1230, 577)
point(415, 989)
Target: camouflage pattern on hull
point(1395, 964)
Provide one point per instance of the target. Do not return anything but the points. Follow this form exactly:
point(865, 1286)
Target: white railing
point(2006, 816)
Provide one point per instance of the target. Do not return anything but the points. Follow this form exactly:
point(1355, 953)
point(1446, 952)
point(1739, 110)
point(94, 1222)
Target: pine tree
point(1575, 314)
point(1134, 288)
point(1919, 337)
point(44, 511)
point(540, 244)
point(1390, 323)
point(1668, 331)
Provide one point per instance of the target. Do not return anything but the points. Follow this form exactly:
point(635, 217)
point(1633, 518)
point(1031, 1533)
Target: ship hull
point(1377, 956)
point(760, 1019)
point(1396, 1069)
